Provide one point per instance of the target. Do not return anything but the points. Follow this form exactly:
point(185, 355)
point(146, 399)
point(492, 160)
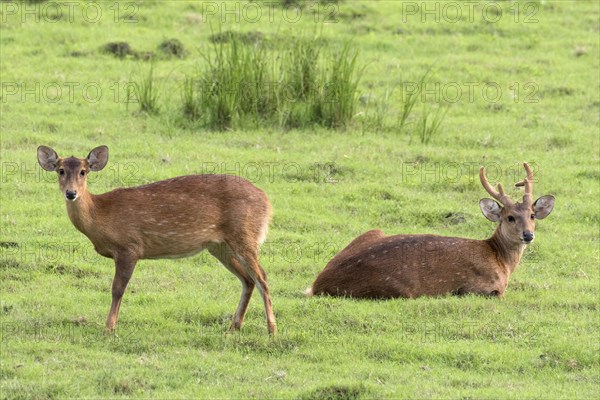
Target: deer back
point(379, 266)
point(174, 218)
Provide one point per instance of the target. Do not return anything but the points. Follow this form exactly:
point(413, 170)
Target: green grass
point(327, 186)
point(144, 93)
point(296, 83)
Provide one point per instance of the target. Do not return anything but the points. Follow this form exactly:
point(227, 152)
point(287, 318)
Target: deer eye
point(532, 216)
point(511, 218)
point(61, 172)
point(82, 173)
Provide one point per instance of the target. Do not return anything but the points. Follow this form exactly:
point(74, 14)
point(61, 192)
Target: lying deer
point(173, 218)
point(379, 266)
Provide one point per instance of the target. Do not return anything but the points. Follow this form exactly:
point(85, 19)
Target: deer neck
point(508, 253)
point(81, 212)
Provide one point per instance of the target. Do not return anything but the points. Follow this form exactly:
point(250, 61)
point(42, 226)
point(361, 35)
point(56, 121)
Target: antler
point(498, 195)
point(528, 183)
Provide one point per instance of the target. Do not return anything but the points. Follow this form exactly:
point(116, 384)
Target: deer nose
point(70, 194)
point(528, 236)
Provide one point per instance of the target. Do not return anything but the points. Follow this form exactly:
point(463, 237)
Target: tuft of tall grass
point(340, 89)
point(430, 122)
point(299, 81)
point(409, 101)
point(144, 92)
point(296, 86)
point(234, 84)
point(299, 68)
point(189, 96)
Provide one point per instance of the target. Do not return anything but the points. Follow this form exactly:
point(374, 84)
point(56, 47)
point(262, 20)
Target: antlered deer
point(379, 266)
point(173, 218)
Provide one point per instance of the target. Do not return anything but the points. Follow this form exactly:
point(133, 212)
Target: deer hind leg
point(226, 256)
point(248, 259)
point(124, 266)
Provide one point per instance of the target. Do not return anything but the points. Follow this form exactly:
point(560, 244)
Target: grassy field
point(520, 83)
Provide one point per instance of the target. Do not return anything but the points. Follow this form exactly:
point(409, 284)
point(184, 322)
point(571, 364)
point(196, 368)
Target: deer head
point(72, 171)
point(517, 220)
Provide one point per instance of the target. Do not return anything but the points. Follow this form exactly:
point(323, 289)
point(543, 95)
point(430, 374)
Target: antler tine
point(528, 183)
point(501, 190)
point(499, 195)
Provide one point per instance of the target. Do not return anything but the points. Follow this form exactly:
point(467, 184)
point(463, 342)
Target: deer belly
point(171, 244)
point(171, 254)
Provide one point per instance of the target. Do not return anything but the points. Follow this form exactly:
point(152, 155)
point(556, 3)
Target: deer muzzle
point(71, 195)
point(528, 237)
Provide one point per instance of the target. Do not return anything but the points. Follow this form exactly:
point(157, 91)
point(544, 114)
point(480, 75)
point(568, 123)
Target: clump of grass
point(409, 100)
point(430, 122)
point(118, 49)
point(340, 89)
point(191, 104)
point(295, 86)
point(251, 37)
point(321, 85)
point(300, 68)
point(232, 86)
point(299, 77)
point(337, 392)
point(172, 48)
point(376, 113)
point(144, 92)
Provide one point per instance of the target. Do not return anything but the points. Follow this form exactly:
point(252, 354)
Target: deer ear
point(47, 158)
point(543, 206)
point(98, 158)
point(490, 209)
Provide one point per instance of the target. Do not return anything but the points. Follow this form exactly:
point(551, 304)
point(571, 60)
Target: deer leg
point(258, 275)
point(238, 318)
point(225, 255)
point(124, 267)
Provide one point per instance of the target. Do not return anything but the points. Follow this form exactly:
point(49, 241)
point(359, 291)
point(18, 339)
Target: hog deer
point(173, 218)
point(377, 266)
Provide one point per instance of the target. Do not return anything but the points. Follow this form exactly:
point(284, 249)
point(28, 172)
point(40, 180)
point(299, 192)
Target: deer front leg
point(124, 266)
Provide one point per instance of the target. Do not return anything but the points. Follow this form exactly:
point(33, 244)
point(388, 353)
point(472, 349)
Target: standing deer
point(173, 218)
point(377, 266)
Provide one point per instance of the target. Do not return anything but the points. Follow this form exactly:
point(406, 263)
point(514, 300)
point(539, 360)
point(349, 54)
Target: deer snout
point(528, 236)
point(70, 194)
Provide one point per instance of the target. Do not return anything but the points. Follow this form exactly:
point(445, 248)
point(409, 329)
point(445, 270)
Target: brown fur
point(174, 218)
point(377, 266)
point(414, 265)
